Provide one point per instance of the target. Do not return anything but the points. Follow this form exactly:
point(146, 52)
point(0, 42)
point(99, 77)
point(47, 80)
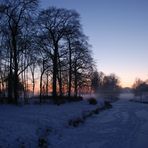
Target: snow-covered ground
point(123, 126)
point(24, 125)
point(126, 96)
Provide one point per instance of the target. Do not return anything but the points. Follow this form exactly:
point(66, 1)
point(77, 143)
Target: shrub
point(92, 101)
point(42, 143)
point(43, 137)
point(75, 122)
point(108, 104)
point(96, 111)
point(87, 114)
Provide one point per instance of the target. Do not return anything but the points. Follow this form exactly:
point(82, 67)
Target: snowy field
point(123, 126)
point(23, 126)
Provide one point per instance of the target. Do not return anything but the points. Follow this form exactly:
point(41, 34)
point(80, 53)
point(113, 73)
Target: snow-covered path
point(123, 126)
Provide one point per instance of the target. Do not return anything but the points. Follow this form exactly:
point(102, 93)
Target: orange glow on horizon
point(126, 84)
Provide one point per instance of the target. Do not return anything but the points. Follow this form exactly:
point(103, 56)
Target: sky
point(118, 33)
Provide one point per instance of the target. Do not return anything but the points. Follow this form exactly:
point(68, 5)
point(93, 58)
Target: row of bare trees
point(45, 48)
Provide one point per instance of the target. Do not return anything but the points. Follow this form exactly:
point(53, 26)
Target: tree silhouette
point(15, 18)
point(49, 43)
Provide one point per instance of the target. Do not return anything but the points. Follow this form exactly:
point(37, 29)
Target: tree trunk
point(41, 91)
point(75, 81)
point(10, 79)
point(32, 69)
point(59, 76)
point(47, 84)
point(41, 80)
point(60, 83)
point(33, 86)
point(55, 72)
point(70, 71)
point(16, 89)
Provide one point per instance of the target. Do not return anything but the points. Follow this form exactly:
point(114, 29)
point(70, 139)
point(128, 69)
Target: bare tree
point(82, 64)
point(140, 88)
point(16, 15)
point(110, 87)
point(56, 23)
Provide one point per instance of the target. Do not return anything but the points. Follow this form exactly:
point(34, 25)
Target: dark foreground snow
point(123, 126)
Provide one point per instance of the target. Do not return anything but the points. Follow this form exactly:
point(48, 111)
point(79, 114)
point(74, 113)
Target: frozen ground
point(123, 126)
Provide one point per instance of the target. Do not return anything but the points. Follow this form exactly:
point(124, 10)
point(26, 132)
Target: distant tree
point(135, 86)
point(95, 81)
point(140, 88)
point(82, 65)
point(110, 87)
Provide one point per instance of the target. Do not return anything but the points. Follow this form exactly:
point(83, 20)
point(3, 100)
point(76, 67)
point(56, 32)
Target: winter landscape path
point(123, 126)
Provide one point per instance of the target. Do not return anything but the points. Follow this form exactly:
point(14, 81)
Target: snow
point(26, 124)
point(124, 126)
point(127, 95)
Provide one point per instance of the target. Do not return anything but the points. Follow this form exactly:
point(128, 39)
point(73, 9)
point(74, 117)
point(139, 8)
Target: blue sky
point(118, 33)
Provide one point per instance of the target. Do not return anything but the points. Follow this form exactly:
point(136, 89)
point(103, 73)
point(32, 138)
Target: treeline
point(140, 88)
point(44, 49)
point(106, 86)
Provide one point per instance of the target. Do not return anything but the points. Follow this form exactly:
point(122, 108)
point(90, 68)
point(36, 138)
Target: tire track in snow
point(123, 129)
